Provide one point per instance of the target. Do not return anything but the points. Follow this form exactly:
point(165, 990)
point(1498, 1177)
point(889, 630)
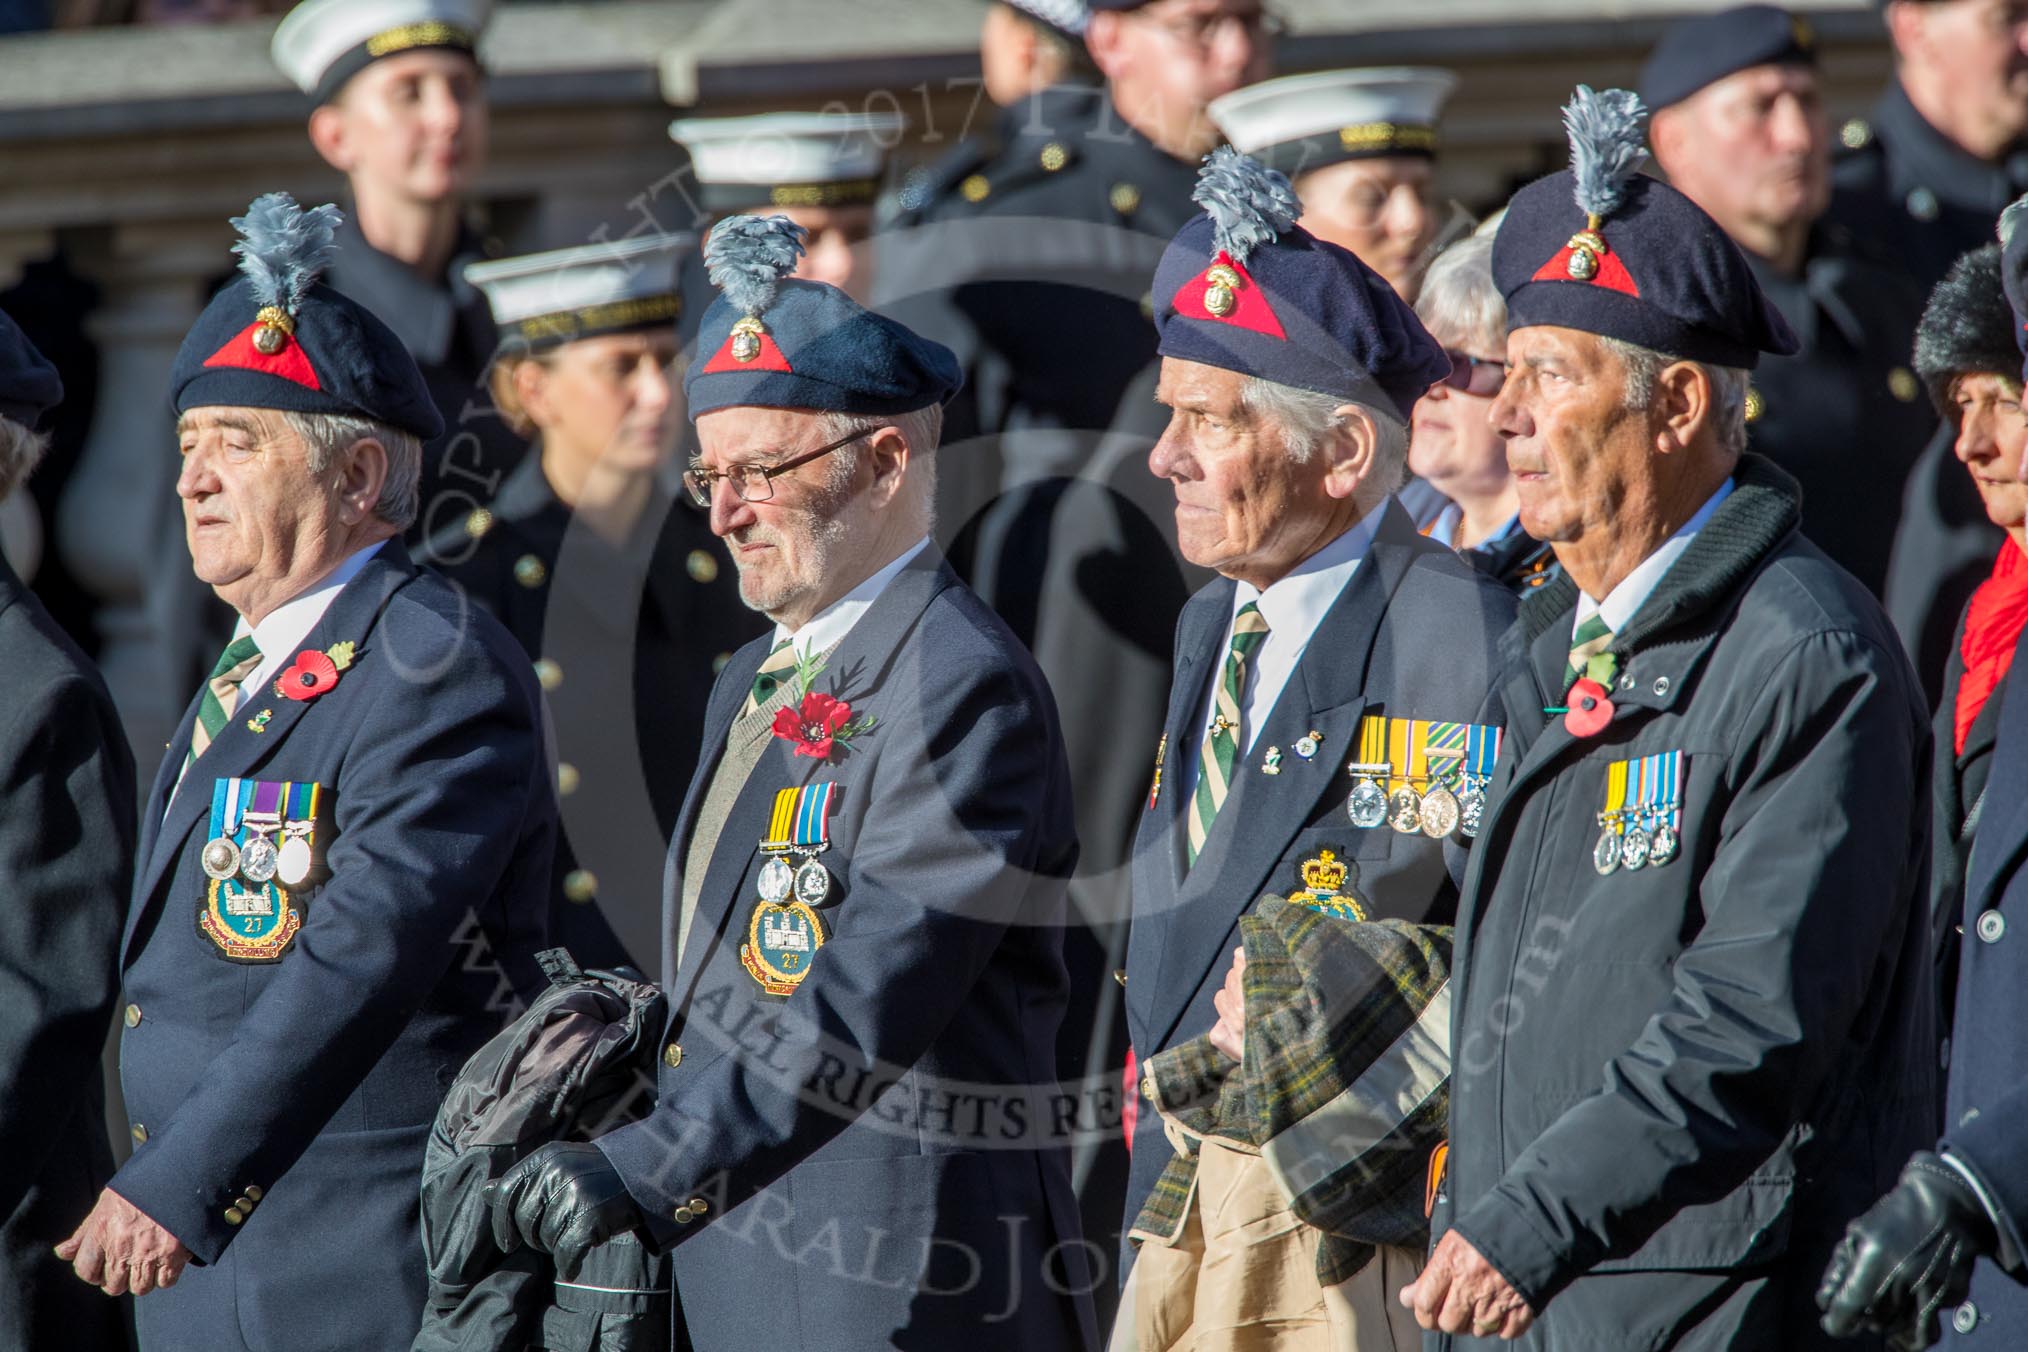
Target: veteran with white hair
point(1320, 734)
point(344, 861)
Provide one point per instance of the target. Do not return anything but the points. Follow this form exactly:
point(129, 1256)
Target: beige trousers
point(1241, 1276)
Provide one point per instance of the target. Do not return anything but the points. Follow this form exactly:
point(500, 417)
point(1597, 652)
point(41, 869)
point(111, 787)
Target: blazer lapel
point(238, 750)
point(1264, 813)
point(2001, 836)
point(854, 671)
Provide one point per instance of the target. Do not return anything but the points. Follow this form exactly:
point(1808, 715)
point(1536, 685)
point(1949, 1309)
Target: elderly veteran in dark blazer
point(1693, 1021)
point(1327, 685)
point(344, 861)
point(66, 860)
point(1912, 1267)
point(858, 1143)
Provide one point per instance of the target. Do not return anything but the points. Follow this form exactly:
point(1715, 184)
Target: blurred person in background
point(821, 170)
point(610, 578)
point(1361, 148)
point(401, 112)
point(1739, 129)
point(1452, 445)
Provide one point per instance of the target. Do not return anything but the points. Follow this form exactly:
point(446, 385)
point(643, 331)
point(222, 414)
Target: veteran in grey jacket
point(1693, 1010)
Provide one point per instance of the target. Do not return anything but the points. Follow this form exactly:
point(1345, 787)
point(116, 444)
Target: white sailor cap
point(567, 294)
point(788, 159)
point(1071, 16)
point(1304, 122)
point(323, 43)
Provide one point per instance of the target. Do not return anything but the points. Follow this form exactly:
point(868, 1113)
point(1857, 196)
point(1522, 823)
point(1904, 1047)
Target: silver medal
point(293, 865)
point(1367, 807)
point(1634, 848)
point(1663, 844)
point(1404, 811)
point(259, 859)
point(813, 883)
point(220, 858)
point(1439, 812)
point(1605, 856)
point(1471, 811)
point(777, 880)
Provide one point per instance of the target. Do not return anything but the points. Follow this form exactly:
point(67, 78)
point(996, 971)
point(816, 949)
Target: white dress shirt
point(1293, 607)
point(829, 626)
point(281, 633)
point(1635, 588)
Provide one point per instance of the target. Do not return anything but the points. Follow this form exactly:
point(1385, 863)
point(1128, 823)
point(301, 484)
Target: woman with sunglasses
point(602, 568)
point(1452, 446)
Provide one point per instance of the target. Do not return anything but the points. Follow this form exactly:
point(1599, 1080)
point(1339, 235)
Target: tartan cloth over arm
point(1345, 1088)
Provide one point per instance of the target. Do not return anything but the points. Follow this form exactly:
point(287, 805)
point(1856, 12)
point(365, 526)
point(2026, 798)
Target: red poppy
point(313, 674)
point(813, 726)
point(1590, 711)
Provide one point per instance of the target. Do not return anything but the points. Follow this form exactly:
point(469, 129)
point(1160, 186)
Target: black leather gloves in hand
point(1907, 1259)
point(563, 1199)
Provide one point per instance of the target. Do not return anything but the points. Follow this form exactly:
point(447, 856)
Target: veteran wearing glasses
point(865, 892)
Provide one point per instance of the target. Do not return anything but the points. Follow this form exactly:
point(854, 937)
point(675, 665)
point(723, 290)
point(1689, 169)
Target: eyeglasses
point(1202, 31)
point(756, 483)
point(1475, 375)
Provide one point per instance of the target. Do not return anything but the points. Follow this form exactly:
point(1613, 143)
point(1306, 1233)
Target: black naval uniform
point(1914, 201)
point(447, 327)
point(1846, 416)
point(626, 643)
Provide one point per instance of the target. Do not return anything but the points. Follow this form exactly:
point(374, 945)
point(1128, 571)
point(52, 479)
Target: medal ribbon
point(1669, 786)
point(1447, 737)
point(301, 817)
point(1482, 748)
point(1372, 740)
point(800, 820)
point(1616, 797)
point(1417, 739)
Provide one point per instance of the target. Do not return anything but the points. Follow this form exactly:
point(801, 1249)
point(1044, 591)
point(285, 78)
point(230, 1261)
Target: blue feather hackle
point(284, 249)
point(2011, 218)
point(1249, 203)
point(746, 257)
point(1608, 134)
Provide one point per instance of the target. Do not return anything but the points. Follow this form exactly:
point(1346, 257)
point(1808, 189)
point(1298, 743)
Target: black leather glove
point(1908, 1259)
point(563, 1199)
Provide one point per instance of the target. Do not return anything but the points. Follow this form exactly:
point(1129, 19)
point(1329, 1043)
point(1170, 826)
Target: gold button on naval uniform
point(233, 1215)
point(1125, 198)
point(672, 1055)
point(478, 523)
point(139, 1132)
point(133, 1016)
point(684, 1215)
point(580, 885)
point(699, 1207)
point(530, 571)
point(254, 1193)
point(548, 674)
point(975, 189)
point(1855, 134)
point(1902, 384)
point(701, 566)
point(566, 778)
point(1054, 157)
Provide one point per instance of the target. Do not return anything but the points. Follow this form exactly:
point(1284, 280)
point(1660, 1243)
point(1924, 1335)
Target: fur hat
point(1967, 328)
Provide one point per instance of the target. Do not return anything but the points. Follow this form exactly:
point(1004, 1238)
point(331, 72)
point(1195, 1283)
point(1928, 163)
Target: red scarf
point(1992, 628)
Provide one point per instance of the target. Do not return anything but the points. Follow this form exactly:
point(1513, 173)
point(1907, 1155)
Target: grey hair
point(921, 428)
point(1729, 385)
point(329, 435)
point(21, 449)
point(1306, 417)
point(1459, 296)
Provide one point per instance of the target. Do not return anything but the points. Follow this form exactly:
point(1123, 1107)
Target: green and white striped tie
point(221, 693)
point(1591, 639)
point(1220, 750)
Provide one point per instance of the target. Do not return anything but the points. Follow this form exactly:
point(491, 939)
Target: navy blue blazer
point(285, 1104)
point(66, 854)
point(1414, 634)
point(876, 1159)
point(1987, 1095)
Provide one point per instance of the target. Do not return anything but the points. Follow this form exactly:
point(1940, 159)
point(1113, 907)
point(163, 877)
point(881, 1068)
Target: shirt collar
point(1635, 588)
point(287, 625)
point(1294, 605)
point(829, 626)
